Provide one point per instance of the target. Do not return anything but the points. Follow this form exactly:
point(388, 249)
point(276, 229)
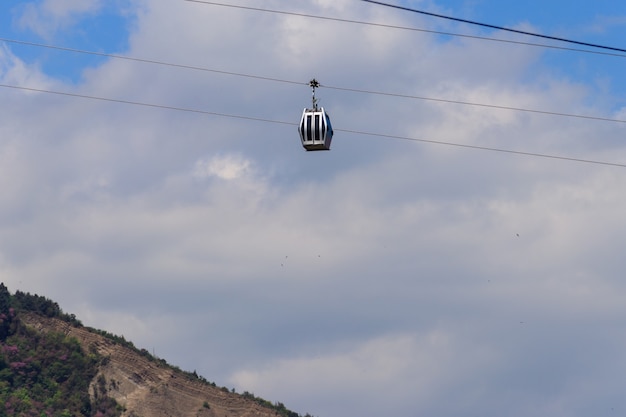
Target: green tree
point(5, 312)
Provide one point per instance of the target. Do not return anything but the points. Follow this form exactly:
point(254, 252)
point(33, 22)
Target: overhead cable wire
point(487, 25)
point(383, 25)
point(328, 86)
point(492, 106)
point(485, 148)
point(136, 103)
point(357, 132)
point(145, 61)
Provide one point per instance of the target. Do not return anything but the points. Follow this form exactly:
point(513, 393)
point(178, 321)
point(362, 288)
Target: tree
point(5, 312)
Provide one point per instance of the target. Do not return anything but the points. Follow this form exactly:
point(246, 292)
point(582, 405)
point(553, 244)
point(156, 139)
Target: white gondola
point(316, 132)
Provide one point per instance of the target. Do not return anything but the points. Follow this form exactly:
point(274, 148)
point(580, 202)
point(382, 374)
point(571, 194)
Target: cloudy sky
point(389, 276)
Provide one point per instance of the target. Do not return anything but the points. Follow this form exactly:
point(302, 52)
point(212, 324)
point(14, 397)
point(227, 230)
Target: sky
point(415, 269)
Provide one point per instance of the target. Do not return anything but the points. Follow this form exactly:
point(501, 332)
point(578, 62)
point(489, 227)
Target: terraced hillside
point(147, 387)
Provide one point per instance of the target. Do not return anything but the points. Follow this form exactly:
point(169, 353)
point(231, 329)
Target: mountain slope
point(140, 384)
point(147, 387)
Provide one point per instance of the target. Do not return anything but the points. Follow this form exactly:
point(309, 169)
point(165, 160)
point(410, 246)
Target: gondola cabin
point(315, 129)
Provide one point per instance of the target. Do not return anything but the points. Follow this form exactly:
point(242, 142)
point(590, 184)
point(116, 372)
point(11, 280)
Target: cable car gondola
point(315, 129)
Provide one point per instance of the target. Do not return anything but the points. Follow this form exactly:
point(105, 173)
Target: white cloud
point(602, 24)
point(46, 17)
point(226, 168)
point(382, 275)
point(420, 367)
point(14, 72)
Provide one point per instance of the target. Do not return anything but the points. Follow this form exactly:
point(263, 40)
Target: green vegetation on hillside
point(44, 374)
point(48, 374)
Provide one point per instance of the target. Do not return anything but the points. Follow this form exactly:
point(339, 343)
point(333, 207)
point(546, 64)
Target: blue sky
point(103, 28)
point(107, 29)
point(597, 22)
point(384, 277)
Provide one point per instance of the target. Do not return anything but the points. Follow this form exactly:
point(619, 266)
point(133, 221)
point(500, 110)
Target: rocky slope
point(147, 387)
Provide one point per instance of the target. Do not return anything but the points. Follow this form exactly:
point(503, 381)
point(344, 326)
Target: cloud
point(15, 72)
point(385, 276)
point(405, 365)
point(227, 168)
point(47, 17)
point(603, 24)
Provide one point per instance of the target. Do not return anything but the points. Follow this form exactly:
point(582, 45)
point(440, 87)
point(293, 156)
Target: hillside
point(124, 381)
